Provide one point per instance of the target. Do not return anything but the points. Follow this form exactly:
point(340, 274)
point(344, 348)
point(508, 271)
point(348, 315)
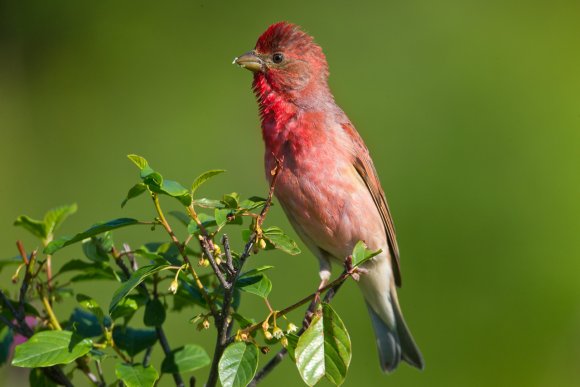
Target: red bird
point(328, 187)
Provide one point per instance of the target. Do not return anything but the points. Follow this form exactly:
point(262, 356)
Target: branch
point(223, 320)
point(181, 249)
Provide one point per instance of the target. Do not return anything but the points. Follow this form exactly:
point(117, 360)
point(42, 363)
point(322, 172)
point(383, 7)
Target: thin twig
point(203, 242)
point(223, 319)
point(181, 249)
point(159, 330)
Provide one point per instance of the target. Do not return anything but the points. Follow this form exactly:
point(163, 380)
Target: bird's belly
point(329, 205)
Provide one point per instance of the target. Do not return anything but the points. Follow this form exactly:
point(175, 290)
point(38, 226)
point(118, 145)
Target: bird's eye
point(277, 57)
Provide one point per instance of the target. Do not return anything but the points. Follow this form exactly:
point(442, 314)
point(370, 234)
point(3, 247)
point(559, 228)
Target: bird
point(328, 186)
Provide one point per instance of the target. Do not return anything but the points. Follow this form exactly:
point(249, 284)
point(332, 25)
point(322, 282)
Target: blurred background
point(471, 111)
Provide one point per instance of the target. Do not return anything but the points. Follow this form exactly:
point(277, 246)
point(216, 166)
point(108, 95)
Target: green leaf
point(132, 340)
point(97, 248)
point(56, 216)
point(135, 191)
point(206, 220)
point(154, 313)
point(135, 279)
point(280, 240)
point(221, 216)
point(49, 348)
point(84, 324)
point(6, 339)
point(98, 228)
point(139, 161)
point(208, 203)
point(252, 203)
point(91, 305)
point(238, 364)
point(37, 378)
point(257, 284)
point(35, 227)
point(324, 349)
point(136, 375)
point(231, 200)
point(257, 270)
point(176, 190)
point(361, 254)
point(185, 359)
point(128, 306)
point(203, 178)
point(292, 343)
point(183, 218)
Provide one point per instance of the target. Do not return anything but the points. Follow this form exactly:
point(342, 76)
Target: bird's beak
point(250, 61)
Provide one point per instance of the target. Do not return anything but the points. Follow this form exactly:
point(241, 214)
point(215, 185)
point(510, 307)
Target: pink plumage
point(328, 187)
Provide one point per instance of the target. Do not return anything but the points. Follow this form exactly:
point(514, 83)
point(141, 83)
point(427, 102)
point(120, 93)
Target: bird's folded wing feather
point(364, 166)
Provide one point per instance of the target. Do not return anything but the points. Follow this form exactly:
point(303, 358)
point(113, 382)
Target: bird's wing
point(365, 168)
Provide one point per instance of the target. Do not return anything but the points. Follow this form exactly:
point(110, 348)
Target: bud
point(218, 261)
point(265, 325)
point(262, 243)
point(173, 286)
point(277, 332)
point(264, 350)
point(205, 263)
point(216, 249)
point(244, 336)
point(268, 335)
point(291, 328)
point(203, 325)
point(284, 342)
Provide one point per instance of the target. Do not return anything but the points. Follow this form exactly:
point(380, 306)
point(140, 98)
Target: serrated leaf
point(49, 348)
point(238, 364)
point(139, 161)
point(257, 284)
point(97, 229)
point(361, 253)
point(185, 359)
point(324, 349)
point(203, 178)
point(135, 191)
point(281, 241)
point(154, 313)
point(132, 340)
point(136, 278)
point(56, 216)
point(135, 375)
point(35, 227)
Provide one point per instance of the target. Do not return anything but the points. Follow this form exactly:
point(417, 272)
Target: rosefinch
point(328, 186)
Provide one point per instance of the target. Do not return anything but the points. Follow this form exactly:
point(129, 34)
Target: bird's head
point(287, 59)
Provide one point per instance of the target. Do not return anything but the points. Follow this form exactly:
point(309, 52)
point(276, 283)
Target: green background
point(471, 110)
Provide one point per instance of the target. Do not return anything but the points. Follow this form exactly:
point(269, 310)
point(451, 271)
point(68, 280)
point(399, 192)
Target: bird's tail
point(394, 340)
